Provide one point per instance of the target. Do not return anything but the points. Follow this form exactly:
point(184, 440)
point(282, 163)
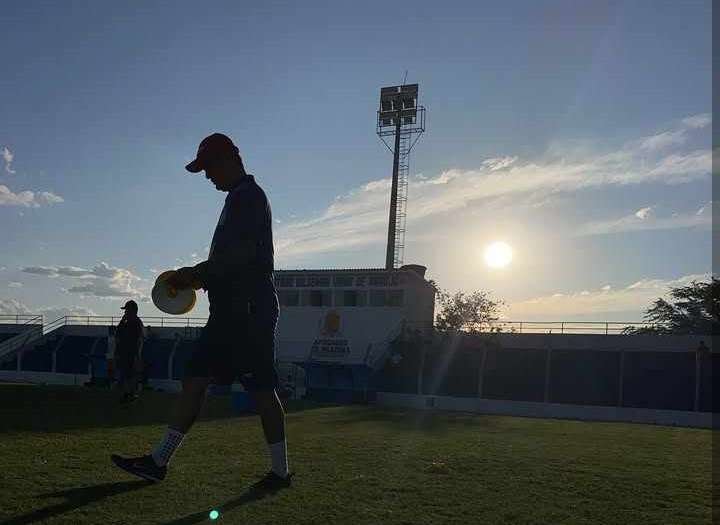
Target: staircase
point(376, 355)
point(36, 334)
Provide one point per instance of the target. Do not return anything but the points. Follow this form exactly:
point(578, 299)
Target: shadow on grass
point(248, 496)
point(38, 408)
point(76, 498)
point(413, 420)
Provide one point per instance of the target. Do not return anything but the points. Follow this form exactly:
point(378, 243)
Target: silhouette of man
point(238, 341)
point(129, 340)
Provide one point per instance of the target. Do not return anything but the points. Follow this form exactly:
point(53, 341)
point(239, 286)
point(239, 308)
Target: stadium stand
point(9, 363)
point(182, 354)
point(7, 335)
point(39, 359)
point(72, 356)
point(156, 356)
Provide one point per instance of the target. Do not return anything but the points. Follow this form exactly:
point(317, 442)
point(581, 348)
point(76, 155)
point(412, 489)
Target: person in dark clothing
point(238, 341)
point(129, 338)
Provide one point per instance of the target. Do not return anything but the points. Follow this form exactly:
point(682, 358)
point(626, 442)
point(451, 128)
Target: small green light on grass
point(214, 514)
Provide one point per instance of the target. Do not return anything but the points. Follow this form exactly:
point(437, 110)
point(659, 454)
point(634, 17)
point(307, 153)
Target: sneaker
point(271, 482)
point(143, 466)
point(129, 399)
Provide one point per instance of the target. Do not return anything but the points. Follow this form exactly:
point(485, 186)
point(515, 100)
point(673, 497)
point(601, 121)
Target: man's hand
point(183, 278)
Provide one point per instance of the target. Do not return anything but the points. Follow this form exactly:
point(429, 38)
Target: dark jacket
point(239, 269)
point(128, 335)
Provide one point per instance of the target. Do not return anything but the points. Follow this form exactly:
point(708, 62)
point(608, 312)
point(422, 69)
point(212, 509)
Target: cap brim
point(194, 166)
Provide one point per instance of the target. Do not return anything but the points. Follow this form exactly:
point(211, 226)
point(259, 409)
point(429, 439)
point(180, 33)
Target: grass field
point(353, 464)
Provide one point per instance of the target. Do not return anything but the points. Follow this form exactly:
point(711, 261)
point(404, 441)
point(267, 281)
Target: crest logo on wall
point(330, 343)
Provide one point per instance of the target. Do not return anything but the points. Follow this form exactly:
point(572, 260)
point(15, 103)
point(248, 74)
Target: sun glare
point(498, 255)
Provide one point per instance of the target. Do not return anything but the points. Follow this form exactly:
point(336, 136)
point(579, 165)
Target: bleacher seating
point(98, 360)
point(7, 335)
point(39, 359)
point(182, 354)
point(156, 354)
point(9, 362)
point(72, 356)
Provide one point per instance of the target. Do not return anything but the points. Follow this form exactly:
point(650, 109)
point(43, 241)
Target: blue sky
point(577, 132)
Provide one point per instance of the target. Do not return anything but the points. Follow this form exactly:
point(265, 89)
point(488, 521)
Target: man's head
point(220, 159)
point(131, 308)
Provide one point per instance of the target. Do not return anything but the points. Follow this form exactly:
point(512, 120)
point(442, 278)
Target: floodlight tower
point(399, 116)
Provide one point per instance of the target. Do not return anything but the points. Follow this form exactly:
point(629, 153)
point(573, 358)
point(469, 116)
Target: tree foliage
point(692, 309)
point(470, 312)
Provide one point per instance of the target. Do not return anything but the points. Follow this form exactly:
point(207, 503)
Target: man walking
point(129, 339)
point(238, 340)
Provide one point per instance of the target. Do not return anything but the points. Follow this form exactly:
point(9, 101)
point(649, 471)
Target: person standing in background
point(129, 339)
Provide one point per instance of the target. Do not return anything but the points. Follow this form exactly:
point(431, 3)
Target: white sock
point(278, 455)
point(166, 448)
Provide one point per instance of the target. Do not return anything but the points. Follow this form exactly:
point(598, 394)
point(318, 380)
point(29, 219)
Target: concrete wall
point(547, 410)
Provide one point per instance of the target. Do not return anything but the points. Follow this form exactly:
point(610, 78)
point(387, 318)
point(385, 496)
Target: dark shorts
point(238, 347)
point(126, 367)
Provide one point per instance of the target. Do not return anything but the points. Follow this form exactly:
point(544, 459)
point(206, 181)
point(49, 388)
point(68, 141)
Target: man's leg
point(185, 412)
point(190, 403)
point(153, 466)
point(272, 416)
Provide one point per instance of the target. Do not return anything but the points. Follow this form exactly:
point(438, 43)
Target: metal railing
point(37, 330)
point(106, 320)
point(21, 319)
point(521, 327)
point(568, 327)
point(546, 327)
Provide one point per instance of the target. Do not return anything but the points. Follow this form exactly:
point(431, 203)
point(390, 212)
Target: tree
point(692, 309)
point(473, 312)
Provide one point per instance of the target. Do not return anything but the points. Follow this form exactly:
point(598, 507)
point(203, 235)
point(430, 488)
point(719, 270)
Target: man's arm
point(228, 262)
point(235, 244)
point(141, 337)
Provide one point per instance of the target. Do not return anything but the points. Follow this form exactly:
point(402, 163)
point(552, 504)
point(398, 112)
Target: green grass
point(353, 464)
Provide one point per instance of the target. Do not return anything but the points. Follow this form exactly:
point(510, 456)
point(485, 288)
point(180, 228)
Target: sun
point(498, 255)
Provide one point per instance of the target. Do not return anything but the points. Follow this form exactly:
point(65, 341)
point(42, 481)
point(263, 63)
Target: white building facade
point(349, 316)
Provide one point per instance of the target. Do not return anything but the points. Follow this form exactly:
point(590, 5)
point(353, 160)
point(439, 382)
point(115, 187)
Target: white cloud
point(498, 163)
point(664, 140)
point(56, 312)
point(643, 213)
point(359, 217)
point(8, 157)
point(48, 197)
point(706, 209)
point(646, 219)
point(678, 136)
point(50, 271)
point(13, 307)
point(102, 280)
point(636, 297)
point(50, 313)
point(27, 199)
point(15, 284)
point(698, 121)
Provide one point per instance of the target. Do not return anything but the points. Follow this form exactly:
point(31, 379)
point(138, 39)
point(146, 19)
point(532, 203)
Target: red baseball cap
point(215, 146)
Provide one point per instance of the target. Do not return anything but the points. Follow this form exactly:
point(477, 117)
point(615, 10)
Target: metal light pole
point(399, 115)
